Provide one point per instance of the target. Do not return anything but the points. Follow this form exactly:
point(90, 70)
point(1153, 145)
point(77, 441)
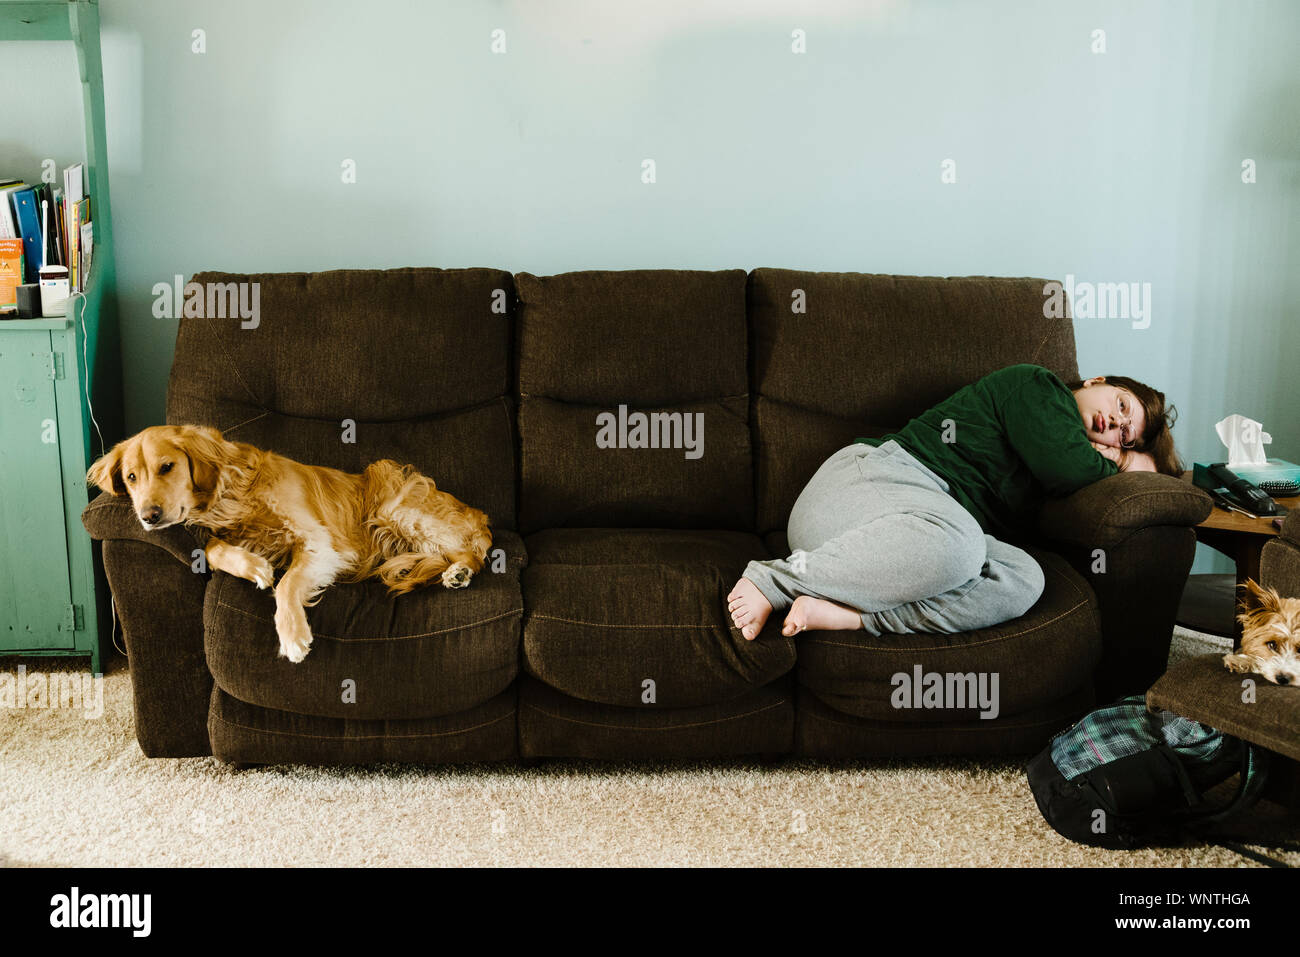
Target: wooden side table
point(1242, 539)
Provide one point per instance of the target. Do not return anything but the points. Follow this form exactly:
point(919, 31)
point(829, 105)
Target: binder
point(8, 225)
point(74, 191)
point(28, 217)
point(49, 210)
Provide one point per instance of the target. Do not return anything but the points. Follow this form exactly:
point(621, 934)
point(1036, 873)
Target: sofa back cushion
point(345, 367)
point(634, 400)
point(841, 355)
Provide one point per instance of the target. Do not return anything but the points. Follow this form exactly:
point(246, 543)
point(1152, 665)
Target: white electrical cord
point(85, 359)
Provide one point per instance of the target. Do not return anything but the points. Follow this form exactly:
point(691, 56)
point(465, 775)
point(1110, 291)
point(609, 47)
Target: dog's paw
point(261, 574)
point(250, 567)
point(1243, 664)
point(295, 649)
point(457, 576)
point(295, 636)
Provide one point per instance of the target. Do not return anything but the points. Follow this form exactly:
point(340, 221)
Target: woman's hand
point(1109, 451)
point(1126, 459)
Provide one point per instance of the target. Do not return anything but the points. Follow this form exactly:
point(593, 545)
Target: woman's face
point(1111, 415)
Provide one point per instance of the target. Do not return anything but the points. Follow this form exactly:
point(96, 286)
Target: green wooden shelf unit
point(54, 599)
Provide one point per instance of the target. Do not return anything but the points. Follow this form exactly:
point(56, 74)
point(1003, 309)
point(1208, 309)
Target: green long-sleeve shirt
point(1004, 444)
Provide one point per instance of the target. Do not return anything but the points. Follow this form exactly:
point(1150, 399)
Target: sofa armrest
point(158, 593)
point(160, 604)
point(1132, 537)
point(1105, 513)
point(1279, 563)
point(1291, 528)
point(112, 518)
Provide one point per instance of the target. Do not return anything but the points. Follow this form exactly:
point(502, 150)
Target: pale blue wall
point(1122, 166)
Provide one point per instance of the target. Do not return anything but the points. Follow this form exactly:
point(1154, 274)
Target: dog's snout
point(1284, 679)
point(152, 514)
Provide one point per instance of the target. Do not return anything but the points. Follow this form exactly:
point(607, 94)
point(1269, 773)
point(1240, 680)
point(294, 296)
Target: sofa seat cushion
point(1039, 658)
point(638, 617)
point(823, 733)
point(551, 725)
point(242, 732)
point(432, 652)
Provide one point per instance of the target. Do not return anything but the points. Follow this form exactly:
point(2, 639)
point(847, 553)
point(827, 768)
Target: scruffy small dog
point(1270, 640)
point(390, 522)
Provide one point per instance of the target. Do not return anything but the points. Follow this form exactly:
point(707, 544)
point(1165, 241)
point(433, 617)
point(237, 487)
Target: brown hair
point(1156, 440)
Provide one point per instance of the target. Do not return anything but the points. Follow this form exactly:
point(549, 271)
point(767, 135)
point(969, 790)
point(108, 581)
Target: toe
point(794, 623)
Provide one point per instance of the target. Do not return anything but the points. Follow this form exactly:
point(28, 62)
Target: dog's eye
point(131, 477)
point(167, 467)
point(1271, 645)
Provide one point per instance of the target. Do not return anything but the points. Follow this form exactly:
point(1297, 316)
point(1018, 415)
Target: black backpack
point(1126, 777)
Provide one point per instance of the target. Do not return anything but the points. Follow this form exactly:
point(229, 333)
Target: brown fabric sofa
point(601, 629)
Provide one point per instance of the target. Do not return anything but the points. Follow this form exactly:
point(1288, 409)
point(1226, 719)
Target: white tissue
point(1245, 440)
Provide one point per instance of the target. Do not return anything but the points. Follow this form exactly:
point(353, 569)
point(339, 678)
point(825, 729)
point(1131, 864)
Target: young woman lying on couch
point(898, 534)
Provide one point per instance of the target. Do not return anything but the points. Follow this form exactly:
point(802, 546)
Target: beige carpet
point(78, 792)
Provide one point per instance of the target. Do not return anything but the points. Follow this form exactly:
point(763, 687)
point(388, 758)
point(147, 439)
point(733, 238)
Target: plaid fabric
point(1127, 728)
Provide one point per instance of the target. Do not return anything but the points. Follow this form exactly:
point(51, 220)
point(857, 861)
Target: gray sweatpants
point(879, 532)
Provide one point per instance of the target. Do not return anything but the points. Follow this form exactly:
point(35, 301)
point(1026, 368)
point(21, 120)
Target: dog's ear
point(1258, 598)
point(205, 447)
point(106, 473)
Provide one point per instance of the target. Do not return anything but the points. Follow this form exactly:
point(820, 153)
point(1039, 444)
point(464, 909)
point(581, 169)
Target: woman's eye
point(167, 467)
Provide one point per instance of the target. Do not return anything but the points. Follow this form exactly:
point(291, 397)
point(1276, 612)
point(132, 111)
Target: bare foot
point(818, 614)
point(749, 609)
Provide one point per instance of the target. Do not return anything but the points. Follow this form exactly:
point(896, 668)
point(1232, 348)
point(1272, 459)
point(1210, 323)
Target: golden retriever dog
point(1270, 637)
point(266, 511)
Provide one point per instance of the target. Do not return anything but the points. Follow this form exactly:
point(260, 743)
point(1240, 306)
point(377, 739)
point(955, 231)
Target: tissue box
point(1277, 470)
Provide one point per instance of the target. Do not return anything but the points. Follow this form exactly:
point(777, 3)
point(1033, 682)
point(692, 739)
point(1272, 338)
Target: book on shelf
point(9, 225)
point(28, 219)
point(87, 248)
point(11, 273)
point(52, 226)
point(74, 191)
point(80, 222)
point(61, 239)
point(52, 254)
